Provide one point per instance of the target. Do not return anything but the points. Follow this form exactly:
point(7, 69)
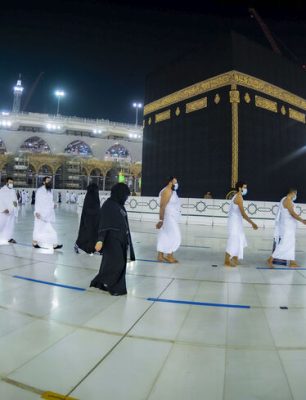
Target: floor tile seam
point(259, 307)
point(231, 282)
point(226, 348)
point(157, 376)
point(73, 294)
point(64, 265)
point(41, 352)
point(153, 384)
point(45, 316)
point(21, 385)
point(116, 344)
point(36, 318)
point(278, 356)
point(188, 311)
point(19, 266)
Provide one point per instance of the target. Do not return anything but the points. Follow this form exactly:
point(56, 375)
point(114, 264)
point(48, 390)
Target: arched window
point(78, 147)
point(45, 170)
point(2, 147)
point(117, 152)
point(35, 145)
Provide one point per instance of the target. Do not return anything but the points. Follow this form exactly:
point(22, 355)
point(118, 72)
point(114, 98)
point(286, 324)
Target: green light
point(121, 178)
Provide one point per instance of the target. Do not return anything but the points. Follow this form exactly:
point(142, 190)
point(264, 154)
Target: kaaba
point(230, 110)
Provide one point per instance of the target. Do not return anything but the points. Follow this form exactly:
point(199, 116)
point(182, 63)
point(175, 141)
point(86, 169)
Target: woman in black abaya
point(114, 238)
point(89, 224)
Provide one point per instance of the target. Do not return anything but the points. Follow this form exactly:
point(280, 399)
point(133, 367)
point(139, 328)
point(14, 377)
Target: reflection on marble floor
point(93, 346)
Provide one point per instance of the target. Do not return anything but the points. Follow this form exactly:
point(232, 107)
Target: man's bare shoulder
point(166, 192)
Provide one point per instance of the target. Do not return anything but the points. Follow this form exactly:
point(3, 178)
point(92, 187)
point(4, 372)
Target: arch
point(45, 170)
point(32, 168)
point(117, 152)
point(112, 177)
point(2, 147)
point(31, 176)
point(96, 177)
point(95, 172)
point(58, 177)
point(4, 172)
point(35, 144)
point(78, 147)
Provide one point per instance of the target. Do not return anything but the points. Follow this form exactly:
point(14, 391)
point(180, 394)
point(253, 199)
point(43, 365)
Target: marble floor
point(88, 345)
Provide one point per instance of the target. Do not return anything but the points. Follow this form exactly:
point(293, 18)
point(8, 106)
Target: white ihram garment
point(236, 241)
point(44, 233)
point(169, 235)
point(23, 197)
point(7, 221)
point(284, 234)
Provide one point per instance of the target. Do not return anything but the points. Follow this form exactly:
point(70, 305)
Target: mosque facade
point(72, 150)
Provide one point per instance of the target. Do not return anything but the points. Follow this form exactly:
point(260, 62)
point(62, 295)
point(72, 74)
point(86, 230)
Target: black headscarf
point(120, 193)
point(113, 215)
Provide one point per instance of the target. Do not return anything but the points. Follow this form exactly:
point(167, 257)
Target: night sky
point(99, 52)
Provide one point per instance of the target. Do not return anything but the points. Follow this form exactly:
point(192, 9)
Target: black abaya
point(115, 234)
point(89, 224)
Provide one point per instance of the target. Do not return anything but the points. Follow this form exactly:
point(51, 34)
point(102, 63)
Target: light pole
point(137, 106)
point(59, 94)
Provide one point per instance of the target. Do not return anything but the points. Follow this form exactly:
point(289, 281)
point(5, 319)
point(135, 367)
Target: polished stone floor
point(91, 346)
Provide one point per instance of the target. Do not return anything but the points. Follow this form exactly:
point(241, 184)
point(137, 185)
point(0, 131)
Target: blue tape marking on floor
point(49, 283)
point(197, 303)
point(283, 268)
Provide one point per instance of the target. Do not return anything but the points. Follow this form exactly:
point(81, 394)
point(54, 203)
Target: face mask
point(10, 186)
point(175, 186)
point(294, 198)
point(244, 192)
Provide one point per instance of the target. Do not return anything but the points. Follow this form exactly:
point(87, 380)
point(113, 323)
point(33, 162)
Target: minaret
point(18, 89)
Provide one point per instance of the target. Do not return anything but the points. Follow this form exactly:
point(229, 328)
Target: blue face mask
point(244, 192)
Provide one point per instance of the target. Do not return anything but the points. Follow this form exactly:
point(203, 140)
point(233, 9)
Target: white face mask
point(244, 191)
point(294, 197)
point(175, 186)
point(10, 186)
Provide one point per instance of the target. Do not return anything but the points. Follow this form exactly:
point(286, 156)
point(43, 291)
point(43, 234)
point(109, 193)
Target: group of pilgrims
point(105, 230)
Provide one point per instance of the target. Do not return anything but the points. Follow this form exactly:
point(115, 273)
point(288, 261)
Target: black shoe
point(117, 293)
point(36, 246)
point(76, 249)
point(58, 246)
point(12, 241)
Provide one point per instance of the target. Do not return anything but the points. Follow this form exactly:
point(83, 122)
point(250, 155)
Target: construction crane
point(31, 91)
point(271, 40)
point(265, 29)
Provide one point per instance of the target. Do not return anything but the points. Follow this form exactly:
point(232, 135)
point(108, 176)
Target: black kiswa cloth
point(89, 224)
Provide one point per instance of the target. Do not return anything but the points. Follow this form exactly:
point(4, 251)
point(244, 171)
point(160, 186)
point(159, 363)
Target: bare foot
point(227, 260)
point(293, 264)
point(270, 262)
point(234, 262)
point(170, 259)
point(160, 257)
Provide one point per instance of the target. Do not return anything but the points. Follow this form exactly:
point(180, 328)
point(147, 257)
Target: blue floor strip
point(283, 268)
point(197, 303)
point(50, 283)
